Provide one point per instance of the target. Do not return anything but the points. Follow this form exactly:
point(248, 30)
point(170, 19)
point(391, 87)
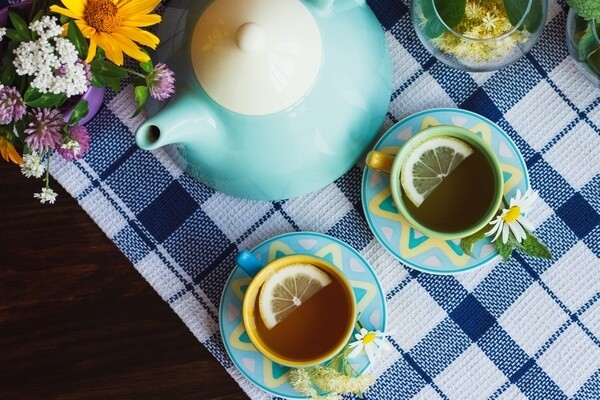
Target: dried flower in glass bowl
point(478, 35)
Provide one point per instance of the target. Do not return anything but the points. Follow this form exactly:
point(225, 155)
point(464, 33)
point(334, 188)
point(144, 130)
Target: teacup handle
point(248, 262)
point(379, 161)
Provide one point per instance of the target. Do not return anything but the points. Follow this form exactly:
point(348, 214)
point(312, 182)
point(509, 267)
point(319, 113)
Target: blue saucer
point(272, 377)
point(410, 246)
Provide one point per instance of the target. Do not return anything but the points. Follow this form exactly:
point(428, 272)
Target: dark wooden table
point(77, 321)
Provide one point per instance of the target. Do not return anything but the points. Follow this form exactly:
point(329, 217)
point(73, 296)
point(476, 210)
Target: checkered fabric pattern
point(525, 328)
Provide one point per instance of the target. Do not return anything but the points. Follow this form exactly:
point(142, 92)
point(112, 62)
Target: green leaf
point(515, 10)
point(107, 69)
point(19, 24)
point(147, 66)
point(467, 243)
point(588, 9)
point(594, 62)
point(587, 45)
point(37, 16)
point(8, 75)
point(504, 249)
point(16, 36)
point(80, 111)
point(141, 95)
point(532, 246)
point(450, 11)
point(34, 98)
point(76, 37)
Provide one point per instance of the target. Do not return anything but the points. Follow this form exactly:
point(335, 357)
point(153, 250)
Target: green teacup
point(466, 200)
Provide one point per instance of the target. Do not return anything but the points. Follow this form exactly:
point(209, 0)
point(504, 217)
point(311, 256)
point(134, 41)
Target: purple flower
point(12, 106)
point(161, 82)
point(44, 129)
point(77, 145)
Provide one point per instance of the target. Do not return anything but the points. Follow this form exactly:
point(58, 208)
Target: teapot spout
point(179, 122)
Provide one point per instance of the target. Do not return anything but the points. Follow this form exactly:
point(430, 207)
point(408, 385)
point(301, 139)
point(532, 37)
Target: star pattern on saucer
point(394, 231)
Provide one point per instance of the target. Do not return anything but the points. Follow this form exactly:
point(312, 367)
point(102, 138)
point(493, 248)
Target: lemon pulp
point(287, 288)
point(429, 163)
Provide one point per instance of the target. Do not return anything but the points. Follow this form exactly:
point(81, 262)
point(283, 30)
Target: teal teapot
point(274, 98)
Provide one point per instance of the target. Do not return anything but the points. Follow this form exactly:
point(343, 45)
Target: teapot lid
point(256, 57)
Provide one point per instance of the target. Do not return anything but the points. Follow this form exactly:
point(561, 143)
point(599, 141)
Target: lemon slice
point(429, 163)
point(287, 288)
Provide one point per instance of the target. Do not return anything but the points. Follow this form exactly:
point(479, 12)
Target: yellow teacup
point(313, 333)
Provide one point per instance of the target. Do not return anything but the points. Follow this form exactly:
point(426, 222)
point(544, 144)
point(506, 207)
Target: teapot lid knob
point(250, 37)
point(257, 57)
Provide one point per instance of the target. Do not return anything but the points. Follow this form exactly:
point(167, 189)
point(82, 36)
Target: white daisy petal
point(505, 232)
point(517, 230)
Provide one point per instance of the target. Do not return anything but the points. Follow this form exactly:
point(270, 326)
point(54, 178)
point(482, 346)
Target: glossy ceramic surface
point(466, 136)
point(250, 313)
point(371, 306)
point(407, 244)
point(294, 151)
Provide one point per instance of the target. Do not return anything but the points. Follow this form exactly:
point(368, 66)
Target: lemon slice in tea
point(287, 288)
point(429, 163)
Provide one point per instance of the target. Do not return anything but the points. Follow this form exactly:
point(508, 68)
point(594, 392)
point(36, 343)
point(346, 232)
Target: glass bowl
point(583, 41)
point(484, 36)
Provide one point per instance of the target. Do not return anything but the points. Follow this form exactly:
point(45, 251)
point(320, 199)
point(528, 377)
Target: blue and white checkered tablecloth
point(526, 328)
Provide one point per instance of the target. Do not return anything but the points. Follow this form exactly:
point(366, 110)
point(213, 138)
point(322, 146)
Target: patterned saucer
point(408, 245)
point(371, 307)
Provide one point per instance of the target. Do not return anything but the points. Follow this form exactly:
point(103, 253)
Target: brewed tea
point(314, 328)
point(462, 199)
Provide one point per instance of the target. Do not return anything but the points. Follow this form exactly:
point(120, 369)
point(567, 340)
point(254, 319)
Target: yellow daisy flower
point(114, 26)
point(8, 151)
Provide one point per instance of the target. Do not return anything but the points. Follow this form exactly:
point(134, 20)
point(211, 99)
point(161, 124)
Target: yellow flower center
point(369, 337)
point(513, 214)
point(103, 15)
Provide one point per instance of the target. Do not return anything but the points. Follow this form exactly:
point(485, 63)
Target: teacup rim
point(461, 133)
point(248, 309)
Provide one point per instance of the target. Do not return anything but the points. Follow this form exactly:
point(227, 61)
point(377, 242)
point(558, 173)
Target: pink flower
point(77, 145)
point(12, 106)
point(44, 129)
point(161, 82)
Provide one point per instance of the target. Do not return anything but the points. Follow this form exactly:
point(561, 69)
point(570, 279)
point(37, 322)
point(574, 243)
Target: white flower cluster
point(52, 60)
point(32, 165)
point(72, 145)
point(2, 33)
point(46, 196)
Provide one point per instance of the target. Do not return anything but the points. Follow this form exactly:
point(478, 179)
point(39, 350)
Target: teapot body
point(303, 147)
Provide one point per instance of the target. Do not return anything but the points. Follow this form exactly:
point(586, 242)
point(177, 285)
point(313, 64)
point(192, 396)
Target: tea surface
point(313, 329)
point(461, 200)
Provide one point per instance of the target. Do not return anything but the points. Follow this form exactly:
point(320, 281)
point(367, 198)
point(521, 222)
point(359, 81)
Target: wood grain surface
point(77, 321)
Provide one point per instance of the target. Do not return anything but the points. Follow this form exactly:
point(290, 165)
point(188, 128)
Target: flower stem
point(47, 177)
point(132, 72)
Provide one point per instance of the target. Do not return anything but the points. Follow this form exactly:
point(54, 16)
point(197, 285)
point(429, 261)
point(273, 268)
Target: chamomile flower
point(512, 219)
point(369, 341)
